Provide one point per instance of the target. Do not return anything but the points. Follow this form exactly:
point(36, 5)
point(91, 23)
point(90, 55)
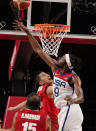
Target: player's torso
point(47, 103)
point(61, 87)
point(44, 98)
point(28, 120)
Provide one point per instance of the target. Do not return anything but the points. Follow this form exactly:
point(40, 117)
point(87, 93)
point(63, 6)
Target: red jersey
point(28, 120)
point(49, 107)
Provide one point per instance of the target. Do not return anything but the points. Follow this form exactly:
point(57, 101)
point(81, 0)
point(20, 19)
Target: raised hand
point(18, 25)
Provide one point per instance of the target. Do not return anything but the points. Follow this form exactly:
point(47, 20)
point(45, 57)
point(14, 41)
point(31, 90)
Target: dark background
point(82, 14)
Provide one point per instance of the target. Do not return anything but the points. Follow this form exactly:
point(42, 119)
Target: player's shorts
point(70, 118)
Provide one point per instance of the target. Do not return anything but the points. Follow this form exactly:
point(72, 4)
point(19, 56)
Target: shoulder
point(76, 79)
point(40, 88)
point(49, 91)
point(71, 75)
point(42, 91)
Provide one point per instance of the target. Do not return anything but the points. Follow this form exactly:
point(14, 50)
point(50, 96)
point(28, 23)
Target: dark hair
point(76, 62)
point(33, 101)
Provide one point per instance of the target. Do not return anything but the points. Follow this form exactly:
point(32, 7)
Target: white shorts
point(70, 118)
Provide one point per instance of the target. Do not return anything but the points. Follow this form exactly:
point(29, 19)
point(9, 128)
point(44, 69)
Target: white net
point(51, 45)
point(52, 35)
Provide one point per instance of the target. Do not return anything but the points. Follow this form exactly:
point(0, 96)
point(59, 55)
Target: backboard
point(82, 31)
point(50, 12)
point(82, 24)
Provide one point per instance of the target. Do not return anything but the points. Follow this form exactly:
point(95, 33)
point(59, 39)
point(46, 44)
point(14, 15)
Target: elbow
point(82, 100)
point(36, 50)
point(39, 52)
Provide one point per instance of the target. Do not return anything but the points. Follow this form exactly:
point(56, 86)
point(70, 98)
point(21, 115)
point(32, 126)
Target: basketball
point(21, 4)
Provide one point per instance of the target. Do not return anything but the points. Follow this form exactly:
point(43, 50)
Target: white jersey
point(61, 88)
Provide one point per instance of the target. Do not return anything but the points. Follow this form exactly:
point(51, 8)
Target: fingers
point(16, 25)
point(16, 22)
point(67, 98)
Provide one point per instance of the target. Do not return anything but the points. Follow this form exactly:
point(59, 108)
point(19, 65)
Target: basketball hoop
point(51, 36)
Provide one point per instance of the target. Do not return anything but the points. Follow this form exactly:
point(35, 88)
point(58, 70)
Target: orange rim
point(55, 27)
point(49, 29)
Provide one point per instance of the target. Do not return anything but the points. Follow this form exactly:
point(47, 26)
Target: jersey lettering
point(29, 126)
point(56, 91)
point(59, 83)
point(30, 116)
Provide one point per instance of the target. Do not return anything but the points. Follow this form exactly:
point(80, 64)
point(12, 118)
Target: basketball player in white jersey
point(67, 90)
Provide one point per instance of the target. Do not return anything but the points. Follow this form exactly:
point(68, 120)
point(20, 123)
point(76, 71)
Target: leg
point(48, 123)
point(63, 118)
point(75, 118)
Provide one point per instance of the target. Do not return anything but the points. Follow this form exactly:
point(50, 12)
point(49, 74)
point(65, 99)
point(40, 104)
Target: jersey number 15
point(29, 126)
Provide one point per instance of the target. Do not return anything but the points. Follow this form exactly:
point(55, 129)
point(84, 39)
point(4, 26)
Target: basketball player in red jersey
point(46, 94)
point(67, 90)
point(30, 119)
point(47, 101)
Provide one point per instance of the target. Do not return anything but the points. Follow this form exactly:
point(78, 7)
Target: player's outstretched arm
point(35, 45)
point(19, 106)
point(79, 92)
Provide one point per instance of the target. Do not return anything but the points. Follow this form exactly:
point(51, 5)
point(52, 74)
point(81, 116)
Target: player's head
point(43, 78)
point(33, 101)
point(62, 63)
point(68, 62)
